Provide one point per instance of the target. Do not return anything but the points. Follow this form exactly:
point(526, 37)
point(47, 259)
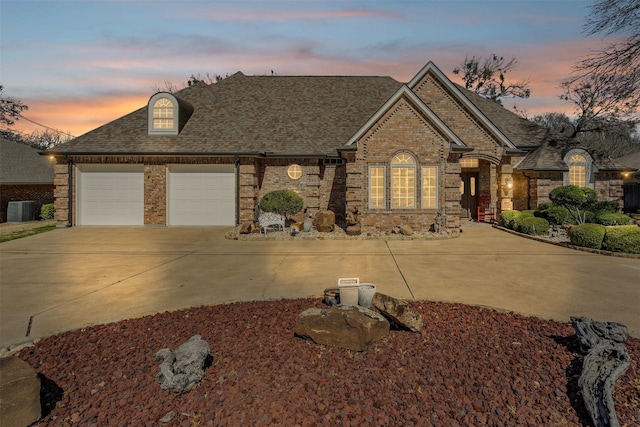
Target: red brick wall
point(40, 193)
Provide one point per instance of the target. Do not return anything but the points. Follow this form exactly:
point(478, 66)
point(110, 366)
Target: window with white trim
point(294, 171)
point(163, 114)
point(581, 168)
point(429, 187)
point(403, 182)
point(376, 187)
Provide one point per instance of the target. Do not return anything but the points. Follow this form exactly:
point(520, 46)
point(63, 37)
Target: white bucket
point(366, 291)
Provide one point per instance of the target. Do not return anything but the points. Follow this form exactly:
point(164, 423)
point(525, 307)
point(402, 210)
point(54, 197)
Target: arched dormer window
point(163, 114)
point(580, 168)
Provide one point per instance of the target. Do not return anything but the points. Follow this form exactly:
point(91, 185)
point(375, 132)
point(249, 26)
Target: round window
point(294, 171)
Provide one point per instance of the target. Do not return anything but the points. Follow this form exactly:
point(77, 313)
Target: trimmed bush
point(605, 206)
point(576, 199)
point(613, 219)
point(622, 238)
point(556, 215)
point(533, 225)
point(48, 211)
point(508, 218)
point(517, 220)
point(587, 235)
point(283, 202)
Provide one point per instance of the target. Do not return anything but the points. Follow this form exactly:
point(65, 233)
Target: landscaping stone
point(398, 312)
point(605, 359)
point(19, 393)
point(182, 369)
point(324, 221)
point(348, 327)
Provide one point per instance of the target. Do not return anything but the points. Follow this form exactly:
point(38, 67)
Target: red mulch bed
point(469, 366)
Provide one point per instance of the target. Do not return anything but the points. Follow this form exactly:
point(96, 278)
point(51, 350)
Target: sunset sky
point(82, 63)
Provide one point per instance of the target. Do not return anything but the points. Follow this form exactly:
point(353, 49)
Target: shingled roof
point(21, 164)
point(550, 157)
point(252, 114)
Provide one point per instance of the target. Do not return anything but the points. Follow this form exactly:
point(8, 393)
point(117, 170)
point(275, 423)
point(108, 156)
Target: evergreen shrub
point(283, 202)
point(587, 235)
point(622, 238)
point(533, 225)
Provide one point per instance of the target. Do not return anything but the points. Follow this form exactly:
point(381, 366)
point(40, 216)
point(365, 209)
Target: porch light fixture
point(509, 183)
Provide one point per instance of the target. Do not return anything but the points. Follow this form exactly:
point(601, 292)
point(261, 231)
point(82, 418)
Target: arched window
point(163, 114)
point(403, 181)
point(577, 170)
point(581, 168)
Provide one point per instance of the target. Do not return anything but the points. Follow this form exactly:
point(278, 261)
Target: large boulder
point(19, 393)
point(398, 312)
point(324, 221)
point(348, 327)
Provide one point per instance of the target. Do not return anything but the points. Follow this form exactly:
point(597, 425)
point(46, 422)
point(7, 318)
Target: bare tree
point(10, 109)
point(487, 78)
point(605, 86)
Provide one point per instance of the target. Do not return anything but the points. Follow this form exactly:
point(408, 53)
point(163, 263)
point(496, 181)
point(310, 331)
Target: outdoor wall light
point(509, 183)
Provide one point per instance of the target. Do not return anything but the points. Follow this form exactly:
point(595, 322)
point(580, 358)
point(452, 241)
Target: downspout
point(69, 191)
point(237, 162)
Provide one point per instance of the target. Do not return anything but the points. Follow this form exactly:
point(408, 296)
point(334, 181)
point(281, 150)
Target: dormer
point(167, 114)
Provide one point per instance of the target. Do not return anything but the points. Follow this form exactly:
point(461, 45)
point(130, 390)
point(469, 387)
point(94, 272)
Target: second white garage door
point(201, 195)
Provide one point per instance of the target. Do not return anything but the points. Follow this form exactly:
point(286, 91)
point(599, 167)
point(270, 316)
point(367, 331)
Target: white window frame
point(152, 117)
point(294, 171)
point(384, 190)
point(409, 167)
point(435, 187)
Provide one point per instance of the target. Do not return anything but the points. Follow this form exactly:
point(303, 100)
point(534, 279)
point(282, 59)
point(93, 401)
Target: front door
point(469, 190)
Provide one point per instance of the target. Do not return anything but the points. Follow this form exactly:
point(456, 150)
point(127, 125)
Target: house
point(631, 182)
point(24, 176)
point(399, 153)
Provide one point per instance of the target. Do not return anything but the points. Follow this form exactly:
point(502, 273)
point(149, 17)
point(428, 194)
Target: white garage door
point(110, 195)
point(201, 195)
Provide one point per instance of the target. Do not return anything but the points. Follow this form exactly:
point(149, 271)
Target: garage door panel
point(111, 195)
point(201, 196)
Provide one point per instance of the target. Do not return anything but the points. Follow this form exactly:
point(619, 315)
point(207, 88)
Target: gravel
point(468, 366)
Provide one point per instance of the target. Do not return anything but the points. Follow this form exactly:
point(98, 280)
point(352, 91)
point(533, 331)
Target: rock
point(354, 230)
point(324, 221)
point(19, 393)
point(348, 327)
point(406, 230)
point(246, 227)
point(396, 230)
point(182, 369)
point(398, 312)
point(606, 359)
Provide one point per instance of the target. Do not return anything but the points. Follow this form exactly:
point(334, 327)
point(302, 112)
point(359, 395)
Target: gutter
point(237, 165)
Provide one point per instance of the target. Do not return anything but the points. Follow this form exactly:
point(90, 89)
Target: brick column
point(248, 190)
point(452, 196)
point(505, 187)
point(61, 194)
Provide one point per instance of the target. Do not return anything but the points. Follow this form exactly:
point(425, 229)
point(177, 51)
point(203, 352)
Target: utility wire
point(45, 126)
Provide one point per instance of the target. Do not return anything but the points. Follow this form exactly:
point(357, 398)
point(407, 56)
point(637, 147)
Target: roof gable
point(421, 107)
point(433, 73)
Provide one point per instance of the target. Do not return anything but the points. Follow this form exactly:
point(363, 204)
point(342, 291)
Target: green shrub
point(508, 217)
point(533, 225)
point(556, 215)
point(48, 211)
point(517, 220)
point(283, 202)
point(605, 206)
point(613, 219)
point(576, 199)
point(587, 235)
point(623, 238)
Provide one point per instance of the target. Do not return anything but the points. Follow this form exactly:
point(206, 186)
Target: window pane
point(163, 114)
point(577, 158)
point(429, 187)
point(376, 187)
point(403, 184)
point(403, 159)
point(472, 185)
point(469, 163)
point(577, 175)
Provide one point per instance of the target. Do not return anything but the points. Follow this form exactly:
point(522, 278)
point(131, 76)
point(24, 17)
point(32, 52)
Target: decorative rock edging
point(569, 245)
point(337, 234)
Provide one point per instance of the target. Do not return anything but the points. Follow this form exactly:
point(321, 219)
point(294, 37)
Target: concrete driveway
point(69, 278)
